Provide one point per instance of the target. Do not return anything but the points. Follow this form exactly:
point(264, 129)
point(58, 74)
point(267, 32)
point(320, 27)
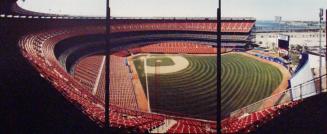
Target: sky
point(259, 9)
point(306, 10)
point(127, 8)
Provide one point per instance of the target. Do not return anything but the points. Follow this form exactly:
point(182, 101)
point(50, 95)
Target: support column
point(107, 64)
point(218, 64)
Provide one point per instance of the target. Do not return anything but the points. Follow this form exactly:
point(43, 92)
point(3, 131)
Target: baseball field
point(187, 84)
point(189, 89)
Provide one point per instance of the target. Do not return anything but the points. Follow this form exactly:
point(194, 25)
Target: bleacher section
point(90, 73)
point(121, 87)
point(87, 71)
point(185, 126)
point(243, 27)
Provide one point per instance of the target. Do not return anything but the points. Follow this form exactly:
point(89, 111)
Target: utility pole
point(107, 62)
point(321, 14)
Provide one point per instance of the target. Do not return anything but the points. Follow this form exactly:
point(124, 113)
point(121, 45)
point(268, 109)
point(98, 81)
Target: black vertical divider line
point(107, 64)
point(218, 66)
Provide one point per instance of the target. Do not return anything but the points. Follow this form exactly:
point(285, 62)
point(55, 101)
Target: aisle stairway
point(168, 123)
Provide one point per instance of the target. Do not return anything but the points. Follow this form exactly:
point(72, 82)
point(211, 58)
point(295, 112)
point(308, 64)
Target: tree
point(298, 48)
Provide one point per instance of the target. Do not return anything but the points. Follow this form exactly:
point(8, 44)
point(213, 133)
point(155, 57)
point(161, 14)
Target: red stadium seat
point(253, 120)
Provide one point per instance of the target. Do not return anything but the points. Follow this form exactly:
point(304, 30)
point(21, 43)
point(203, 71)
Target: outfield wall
point(272, 59)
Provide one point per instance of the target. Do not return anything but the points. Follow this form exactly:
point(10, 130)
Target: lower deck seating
point(187, 126)
point(87, 71)
point(249, 122)
point(121, 86)
point(91, 73)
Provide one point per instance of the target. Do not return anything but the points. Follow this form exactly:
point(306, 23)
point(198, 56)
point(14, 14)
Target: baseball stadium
point(159, 70)
point(78, 74)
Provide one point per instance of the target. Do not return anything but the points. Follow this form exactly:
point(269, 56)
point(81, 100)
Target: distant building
point(278, 19)
point(309, 38)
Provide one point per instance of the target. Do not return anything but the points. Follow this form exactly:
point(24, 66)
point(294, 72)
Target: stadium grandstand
point(54, 72)
point(163, 77)
point(45, 51)
point(237, 33)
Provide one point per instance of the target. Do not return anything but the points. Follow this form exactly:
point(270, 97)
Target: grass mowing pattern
point(245, 80)
point(191, 91)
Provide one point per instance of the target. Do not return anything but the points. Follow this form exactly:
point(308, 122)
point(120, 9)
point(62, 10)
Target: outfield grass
point(245, 81)
point(191, 91)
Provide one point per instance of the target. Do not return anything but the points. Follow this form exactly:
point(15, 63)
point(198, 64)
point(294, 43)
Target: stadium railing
point(282, 97)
